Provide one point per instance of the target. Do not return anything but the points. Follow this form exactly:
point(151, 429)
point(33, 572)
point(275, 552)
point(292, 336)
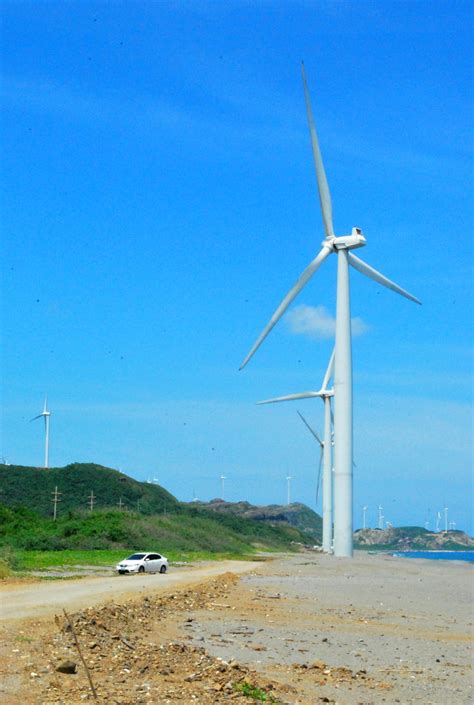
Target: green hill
point(34, 487)
point(149, 516)
point(296, 514)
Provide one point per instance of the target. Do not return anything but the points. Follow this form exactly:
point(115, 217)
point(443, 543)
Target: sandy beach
point(306, 628)
point(407, 623)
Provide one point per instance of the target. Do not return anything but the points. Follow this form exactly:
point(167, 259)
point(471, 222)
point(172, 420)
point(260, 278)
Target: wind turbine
point(364, 515)
point(343, 426)
point(288, 481)
point(325, 447)
point(45, 414)
point(381, 517)
point(445, 519)
point(223, 478)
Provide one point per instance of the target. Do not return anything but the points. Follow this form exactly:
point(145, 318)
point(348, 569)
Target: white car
point(143, 563)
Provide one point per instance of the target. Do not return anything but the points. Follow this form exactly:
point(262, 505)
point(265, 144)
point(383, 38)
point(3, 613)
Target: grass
point(252, 691)
point(43, 560)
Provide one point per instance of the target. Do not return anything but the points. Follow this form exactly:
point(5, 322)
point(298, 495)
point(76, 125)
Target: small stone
point(67, 667)
point(318, 664)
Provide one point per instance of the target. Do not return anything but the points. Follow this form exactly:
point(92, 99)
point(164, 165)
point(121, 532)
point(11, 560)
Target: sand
point(374, 629)
point(406, 622)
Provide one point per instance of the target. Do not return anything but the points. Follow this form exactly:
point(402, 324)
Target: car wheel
point(141, 569)
point(163, 569)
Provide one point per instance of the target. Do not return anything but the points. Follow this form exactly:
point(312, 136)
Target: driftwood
point(71, 626)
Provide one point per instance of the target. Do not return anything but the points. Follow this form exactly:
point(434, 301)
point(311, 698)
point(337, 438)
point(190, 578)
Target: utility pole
point(91, 501)
point(55, 501)
point(288, 481)
point(120, 504)
point(138, 505)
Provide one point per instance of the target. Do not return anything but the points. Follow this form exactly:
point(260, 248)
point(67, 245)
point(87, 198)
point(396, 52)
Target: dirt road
point(43, 599)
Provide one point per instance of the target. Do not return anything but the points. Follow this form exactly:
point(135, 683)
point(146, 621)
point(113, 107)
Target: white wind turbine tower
point(364, 516)
point(381, 517)
point(343, 427)
point(326, 447)
point(45, 414)
point(288, 481)
point(445, 519)
point(438, 519)
point(222, 478)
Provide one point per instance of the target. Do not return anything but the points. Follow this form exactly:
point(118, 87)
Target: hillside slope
point(296, 514)
point(34, 487)
point(149, 515)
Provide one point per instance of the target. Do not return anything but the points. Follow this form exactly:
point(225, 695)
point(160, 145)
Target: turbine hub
point(350, 242)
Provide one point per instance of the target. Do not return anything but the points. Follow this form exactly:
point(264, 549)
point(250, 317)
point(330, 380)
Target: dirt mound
point(131, 660)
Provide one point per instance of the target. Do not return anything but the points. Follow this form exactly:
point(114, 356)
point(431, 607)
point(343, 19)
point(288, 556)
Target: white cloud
point(317, 322)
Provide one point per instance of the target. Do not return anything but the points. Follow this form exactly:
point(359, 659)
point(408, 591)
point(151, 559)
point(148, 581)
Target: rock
point(67, 667)
point(258, 647)
point(318, 664)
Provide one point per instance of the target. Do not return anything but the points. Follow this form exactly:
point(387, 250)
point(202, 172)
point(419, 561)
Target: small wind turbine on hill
point(343, 431)
point(288, 496)
point(325, 447)
point(45, 414)
point(223, 479)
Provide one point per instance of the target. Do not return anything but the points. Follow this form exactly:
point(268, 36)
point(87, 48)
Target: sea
point(438, 555)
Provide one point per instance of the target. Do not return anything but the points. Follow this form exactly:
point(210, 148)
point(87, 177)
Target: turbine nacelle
point(350, 242)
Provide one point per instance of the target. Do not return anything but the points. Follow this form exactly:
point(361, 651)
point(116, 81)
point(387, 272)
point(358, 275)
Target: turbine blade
point(329, 371)
point(372, 273)
point(311, 430)
point(36, 417)
point(291, 295)
point(319, 474)
point(323, 188)
point(291, 397)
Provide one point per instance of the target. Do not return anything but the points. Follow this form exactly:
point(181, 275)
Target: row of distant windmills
point(340, 365)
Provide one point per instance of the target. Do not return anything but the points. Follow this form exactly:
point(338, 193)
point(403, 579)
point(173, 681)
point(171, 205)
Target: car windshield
point(136, 557)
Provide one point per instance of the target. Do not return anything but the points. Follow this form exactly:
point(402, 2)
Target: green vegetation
point(155, 520)
point(252, 691)
point(34, 487)
point(21, 528)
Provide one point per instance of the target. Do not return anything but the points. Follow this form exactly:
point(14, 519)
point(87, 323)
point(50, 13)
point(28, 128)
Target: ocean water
point(438, 555)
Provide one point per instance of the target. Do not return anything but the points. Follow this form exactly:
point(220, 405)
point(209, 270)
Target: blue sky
point(160, 199)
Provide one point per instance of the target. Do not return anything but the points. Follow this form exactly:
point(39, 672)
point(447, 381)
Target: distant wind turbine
point(343, 425)
point(364, 515)
point(223, 478)
point(445, 519)
point(45, 414)
point(325, 456)
point(288, 481)
point(381, 517)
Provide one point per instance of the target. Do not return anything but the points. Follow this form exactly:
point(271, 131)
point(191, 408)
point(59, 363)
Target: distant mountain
point(414, 538)
point(298, 515)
